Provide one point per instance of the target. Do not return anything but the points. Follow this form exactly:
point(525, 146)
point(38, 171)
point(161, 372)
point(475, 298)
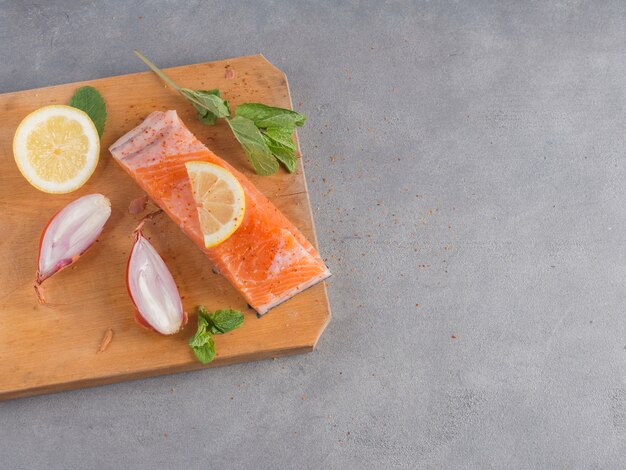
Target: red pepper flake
point(453, 337)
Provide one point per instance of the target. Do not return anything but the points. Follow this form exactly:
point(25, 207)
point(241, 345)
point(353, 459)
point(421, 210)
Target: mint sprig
point(209, 324)
point(264, 132)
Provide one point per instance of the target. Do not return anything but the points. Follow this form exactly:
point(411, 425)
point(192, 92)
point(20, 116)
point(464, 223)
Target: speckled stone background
point(466, 168)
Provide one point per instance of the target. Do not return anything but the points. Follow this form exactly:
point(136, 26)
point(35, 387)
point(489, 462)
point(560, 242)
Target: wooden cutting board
point(45, 349)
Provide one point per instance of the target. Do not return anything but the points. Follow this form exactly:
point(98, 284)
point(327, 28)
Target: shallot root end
point(39, 290)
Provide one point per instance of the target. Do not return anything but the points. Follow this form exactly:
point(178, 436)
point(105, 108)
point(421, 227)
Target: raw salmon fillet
point(267, 258)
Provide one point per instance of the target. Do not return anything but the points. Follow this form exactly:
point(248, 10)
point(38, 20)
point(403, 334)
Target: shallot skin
point(70, 232)
point(138, 205)
point(152, 289)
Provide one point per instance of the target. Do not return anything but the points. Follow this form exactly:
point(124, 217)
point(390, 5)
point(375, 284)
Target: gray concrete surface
point(466, 167)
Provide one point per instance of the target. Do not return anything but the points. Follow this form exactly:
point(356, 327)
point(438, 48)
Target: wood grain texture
point(45, 349)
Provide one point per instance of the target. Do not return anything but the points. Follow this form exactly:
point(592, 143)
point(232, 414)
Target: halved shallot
point(69, 233)
point(153, 290)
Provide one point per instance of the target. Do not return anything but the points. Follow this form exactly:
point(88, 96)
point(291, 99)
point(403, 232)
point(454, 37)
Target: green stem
point(168, 80)
point(156, 70)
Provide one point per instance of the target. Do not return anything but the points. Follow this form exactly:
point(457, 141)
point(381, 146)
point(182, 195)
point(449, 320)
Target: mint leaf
point(289, 161)
point(202, 342)
point(223, 321)
point(280, 141)
point(205, 352)
point(202, 335)
point(199, 339)
point(209, 104)
point(203, 313)
point(89, 100)
point(267, 116)
point(254, 145)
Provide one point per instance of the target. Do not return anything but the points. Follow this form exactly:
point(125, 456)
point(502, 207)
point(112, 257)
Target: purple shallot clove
point(69, 233)
point(152, 289)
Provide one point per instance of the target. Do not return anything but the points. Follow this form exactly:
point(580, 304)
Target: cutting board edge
point(92, 81)
point(68, 386)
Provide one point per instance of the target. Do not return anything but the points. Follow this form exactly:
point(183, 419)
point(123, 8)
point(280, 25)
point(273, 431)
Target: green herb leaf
point(202, 342)
point(289, 161)
point(223, 321)
point(267, 116)
point(199, 339)
point(249, 136)
point(206, 351)
point(89, 100)
point(209, 104)
point(218, 322)
point(201, 336)
point(280, 141)
point(203, 313)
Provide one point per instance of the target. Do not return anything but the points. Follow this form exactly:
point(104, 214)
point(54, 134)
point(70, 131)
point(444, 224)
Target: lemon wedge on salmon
point(220, 200)
point(56, 148)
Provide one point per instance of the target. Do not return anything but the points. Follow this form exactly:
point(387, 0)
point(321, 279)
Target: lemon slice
point(56, 148)
point(219, 198)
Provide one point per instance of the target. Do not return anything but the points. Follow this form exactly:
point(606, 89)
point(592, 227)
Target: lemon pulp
point(220, 201)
